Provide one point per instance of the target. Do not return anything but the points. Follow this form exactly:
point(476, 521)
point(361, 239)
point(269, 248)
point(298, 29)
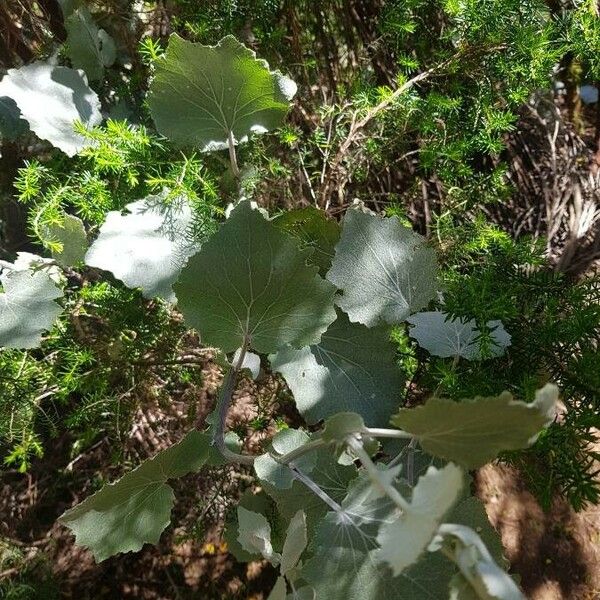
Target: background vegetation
point(468, 119)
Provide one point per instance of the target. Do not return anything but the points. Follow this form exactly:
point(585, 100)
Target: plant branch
point(387, 433)
point(225, 395)
point(315, 489)
point(290, 457)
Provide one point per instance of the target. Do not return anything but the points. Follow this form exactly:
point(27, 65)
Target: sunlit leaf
point(52, 99)
point(200, 95)
point(384, 269)
point(249, 283)
point(147, 247)
point(473, 431)
point(403, 540)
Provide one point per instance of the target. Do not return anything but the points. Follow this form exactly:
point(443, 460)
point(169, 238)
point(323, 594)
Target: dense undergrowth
point(414, 109)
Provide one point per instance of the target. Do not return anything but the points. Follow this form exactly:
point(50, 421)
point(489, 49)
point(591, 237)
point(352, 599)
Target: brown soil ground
point(556, 555)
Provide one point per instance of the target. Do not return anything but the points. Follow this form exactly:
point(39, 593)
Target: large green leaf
point(473, 431)
point(135, 510)
point(200, 95)
point(344, 565)
point(146, 247)
point(89, 47)
point(249, 282)
point(51, 99)
point(384, 269)
point(27, 307)
point(352, 369)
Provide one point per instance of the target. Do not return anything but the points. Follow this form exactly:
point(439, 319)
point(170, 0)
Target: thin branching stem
point(375, 474)
point(315, 489)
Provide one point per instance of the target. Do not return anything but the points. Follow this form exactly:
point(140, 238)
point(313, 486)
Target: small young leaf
point(444, 337)
point(255, 534)
point(384, 269)
point(27, 307)
point(147, 247)
point(52, 99)
point(71, 235)
point(295, 542)
point(473, 431)
point(89, 48)
point(338, 427)
point(249, 283)
point(135, 510)
point(352, 369)
point(314, 230)
point(200, 95)
point(403, 540)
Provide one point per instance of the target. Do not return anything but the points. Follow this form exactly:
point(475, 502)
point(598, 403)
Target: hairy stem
point(387, 433)
point(232, 156)
point(290, 457)
point(315, 489)
point(225, 395)
point(375, 475)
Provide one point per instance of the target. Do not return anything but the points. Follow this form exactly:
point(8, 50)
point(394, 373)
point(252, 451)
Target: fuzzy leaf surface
point(403, 539)
point(352, 369)
point(295, 542)
point(473, 431)
point(27, 307)
point(135, 510)
point(51, 99)
point(254, 534)
point(145, 248)
point(201, 94)
point(384, 269)
point(344, 564)
point(446, 337)
point(480, 576)
point(250, 282)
